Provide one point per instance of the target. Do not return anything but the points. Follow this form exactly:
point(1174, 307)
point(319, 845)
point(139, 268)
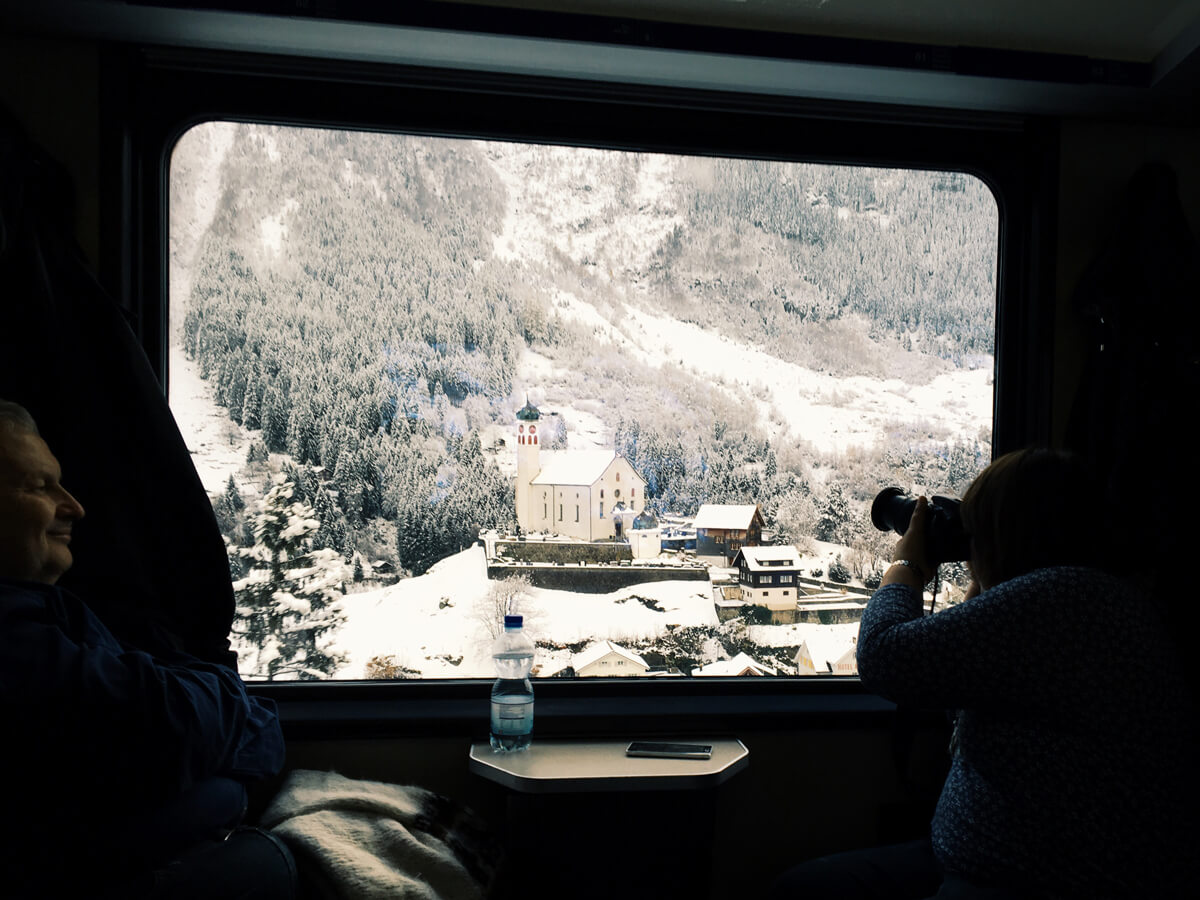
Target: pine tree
point(274, 420)
point(233, 497)
point(287, 605)
point(832, 524)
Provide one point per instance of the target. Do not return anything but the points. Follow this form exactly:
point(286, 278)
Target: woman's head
point(1030, 509)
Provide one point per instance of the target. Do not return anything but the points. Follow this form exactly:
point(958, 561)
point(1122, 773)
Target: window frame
point(151, 96)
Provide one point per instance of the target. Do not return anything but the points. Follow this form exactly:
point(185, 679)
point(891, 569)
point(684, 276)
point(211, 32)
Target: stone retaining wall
point(563, 551)
point(595, 579)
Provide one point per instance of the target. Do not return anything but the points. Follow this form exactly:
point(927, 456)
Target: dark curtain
point(149, 558)
point(1139, 303)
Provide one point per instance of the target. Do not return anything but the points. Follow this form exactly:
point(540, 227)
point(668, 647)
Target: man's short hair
point(14, 417)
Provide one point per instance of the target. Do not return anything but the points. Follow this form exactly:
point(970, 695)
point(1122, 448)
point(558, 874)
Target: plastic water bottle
point(512, 694)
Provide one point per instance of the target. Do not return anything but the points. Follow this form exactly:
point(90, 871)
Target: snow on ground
point(832, 413)
point(563, 200)
point(426, 622)
point(204, 147)
point(826, 643)
point(434, 623)
point(218, 444)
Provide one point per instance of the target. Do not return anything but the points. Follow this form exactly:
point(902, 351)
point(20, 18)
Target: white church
point(592, 495)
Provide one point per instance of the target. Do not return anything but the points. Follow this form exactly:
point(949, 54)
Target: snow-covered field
point(217, 443)
point(435, 623)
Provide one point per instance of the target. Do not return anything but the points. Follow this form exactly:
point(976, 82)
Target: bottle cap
point(513, 621)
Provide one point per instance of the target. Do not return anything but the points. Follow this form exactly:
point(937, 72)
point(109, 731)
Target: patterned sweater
point(1075, 746)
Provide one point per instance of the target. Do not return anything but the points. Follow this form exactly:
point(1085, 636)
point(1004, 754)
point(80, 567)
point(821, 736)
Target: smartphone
point(665, 750)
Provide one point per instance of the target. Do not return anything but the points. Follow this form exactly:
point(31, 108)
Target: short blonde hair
point(1032, 509)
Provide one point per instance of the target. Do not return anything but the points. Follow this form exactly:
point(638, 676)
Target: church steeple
point(528, 412)
point(528, 464)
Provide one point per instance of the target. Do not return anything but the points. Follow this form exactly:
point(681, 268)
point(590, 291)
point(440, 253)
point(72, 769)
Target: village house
point(845, 664)
point(722, 530)
point(740, 665)
point(592, 495)
point(605, 658)
point(804, 660)
point(767, 577)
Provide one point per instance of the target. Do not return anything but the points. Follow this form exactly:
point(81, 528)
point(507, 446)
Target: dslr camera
point(945, 539)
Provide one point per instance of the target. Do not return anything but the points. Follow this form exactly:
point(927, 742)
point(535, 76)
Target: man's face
point(36, 512)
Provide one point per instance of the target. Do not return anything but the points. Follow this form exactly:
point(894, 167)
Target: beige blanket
point(367, 839)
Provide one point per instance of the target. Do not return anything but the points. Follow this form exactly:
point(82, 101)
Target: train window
point(381, 345)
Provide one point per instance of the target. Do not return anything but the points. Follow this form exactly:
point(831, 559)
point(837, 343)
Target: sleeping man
point(124, 770)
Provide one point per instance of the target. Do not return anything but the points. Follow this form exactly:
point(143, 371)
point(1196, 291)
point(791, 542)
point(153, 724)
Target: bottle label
point(512, 718)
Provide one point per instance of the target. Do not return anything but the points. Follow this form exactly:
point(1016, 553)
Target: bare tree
point(501, 599)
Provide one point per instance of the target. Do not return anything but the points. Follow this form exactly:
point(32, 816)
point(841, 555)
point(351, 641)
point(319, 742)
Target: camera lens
point(892, 510)
point(945, 539)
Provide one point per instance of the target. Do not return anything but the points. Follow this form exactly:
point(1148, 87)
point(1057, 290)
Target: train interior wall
point(811, 787)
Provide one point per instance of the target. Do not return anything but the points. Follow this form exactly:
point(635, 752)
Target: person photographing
point(1074, 740)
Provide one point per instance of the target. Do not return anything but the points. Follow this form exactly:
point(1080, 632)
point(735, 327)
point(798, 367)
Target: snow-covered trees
point(287, 604)
point(383, 334)
point(833, 521)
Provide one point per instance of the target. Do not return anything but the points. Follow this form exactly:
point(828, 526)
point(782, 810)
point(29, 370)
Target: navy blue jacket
point(1073, 773)
point(115, 757)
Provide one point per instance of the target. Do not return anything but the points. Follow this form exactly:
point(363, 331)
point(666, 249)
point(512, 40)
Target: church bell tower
point(528, 464)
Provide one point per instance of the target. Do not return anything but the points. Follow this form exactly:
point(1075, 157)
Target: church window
point(602, 509)
point(601, 493)
point(560, 506)
point(576, 512)
point(617, 492)
point(618, 476)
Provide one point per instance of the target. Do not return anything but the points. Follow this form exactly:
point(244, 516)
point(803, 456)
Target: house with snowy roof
point(605, 658)
point(723, 529)
point(767, 577)
point(847, 663)
point(740, 665)
point(809, 664)
point(592, 495)
point(804, 660)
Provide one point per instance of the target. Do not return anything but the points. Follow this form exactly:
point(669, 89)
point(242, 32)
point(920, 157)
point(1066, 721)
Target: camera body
point(946, 540)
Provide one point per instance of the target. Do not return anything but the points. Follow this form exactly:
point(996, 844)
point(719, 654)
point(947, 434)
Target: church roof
point(528, 412)
point(645, 519)
point(581, 467)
